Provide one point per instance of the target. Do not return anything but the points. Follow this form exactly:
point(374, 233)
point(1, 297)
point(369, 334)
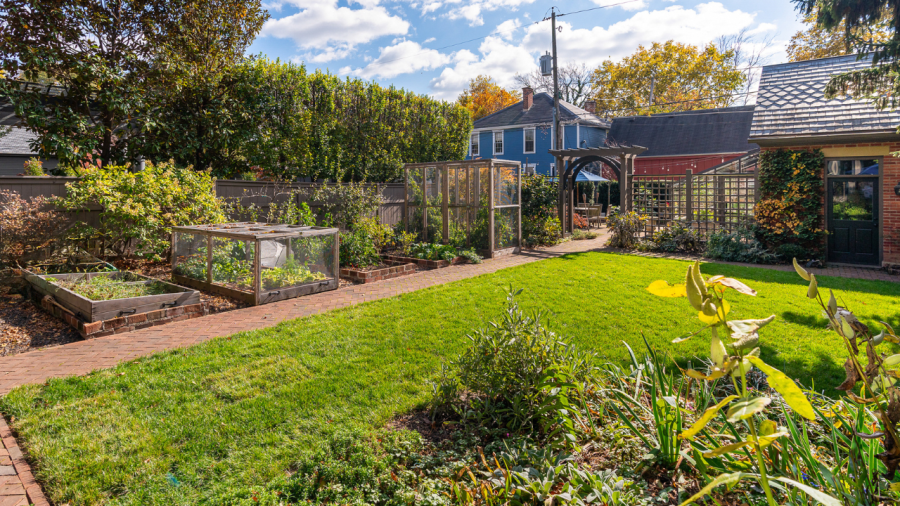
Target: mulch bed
point(26, 327)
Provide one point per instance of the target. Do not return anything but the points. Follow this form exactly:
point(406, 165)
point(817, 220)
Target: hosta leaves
point(723, 479)
point(785, 386)
point(818, 495)
point(705, 418)
point(746, 408)
point(661, 288)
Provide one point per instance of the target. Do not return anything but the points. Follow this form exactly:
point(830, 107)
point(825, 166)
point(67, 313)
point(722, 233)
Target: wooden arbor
point(620, 159)
point(470, 203)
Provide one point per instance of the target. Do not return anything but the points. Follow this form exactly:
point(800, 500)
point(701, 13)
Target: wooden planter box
point(423, 263)
point(370, 276)
point(99, 310)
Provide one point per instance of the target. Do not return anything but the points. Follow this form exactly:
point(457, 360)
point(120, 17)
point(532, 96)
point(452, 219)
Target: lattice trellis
point(708, 202)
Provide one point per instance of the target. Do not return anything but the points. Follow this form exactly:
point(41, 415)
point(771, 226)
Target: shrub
point(675, 238)
point(540, 224)
point(500, 380)
point(28, 227)
point(471, 256)
point(624, 228)
point(404, 241)
point(580, 235)
point(139, 209)
point(346, 205)
point(739, 245)
point(579, 221)
point(380, 234)
point(787, 251)
point(358, 250)
point(34, 167)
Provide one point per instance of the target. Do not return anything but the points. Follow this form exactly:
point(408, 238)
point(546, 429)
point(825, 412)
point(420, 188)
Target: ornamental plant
point(734, 351)
point(139, 209)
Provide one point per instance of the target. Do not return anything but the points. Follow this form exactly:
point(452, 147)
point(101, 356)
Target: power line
point(594, 8)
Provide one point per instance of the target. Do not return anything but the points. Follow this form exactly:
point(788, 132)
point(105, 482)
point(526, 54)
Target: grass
point(207, 423)
point(107, 288)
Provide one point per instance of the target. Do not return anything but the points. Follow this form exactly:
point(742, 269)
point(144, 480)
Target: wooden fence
point(705, 202)
point(261, 193)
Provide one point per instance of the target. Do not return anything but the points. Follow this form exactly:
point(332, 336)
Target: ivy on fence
point(790, 206)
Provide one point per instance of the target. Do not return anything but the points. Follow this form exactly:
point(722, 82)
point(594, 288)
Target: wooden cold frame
point(250, 232)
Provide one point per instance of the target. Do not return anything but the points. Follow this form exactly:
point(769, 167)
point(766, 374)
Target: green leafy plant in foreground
point(734, 351)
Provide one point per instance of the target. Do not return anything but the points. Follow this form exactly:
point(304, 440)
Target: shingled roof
point(706, 131)
point(791, 103)
point(16, 142)
point(541, 112)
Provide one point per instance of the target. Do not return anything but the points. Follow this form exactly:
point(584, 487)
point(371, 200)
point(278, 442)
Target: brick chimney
point(527, 97)
point(590, 106)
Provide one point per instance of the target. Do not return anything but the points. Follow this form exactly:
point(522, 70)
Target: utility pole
point(557, 141)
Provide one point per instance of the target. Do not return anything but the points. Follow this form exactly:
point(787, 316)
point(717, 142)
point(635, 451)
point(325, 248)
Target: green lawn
point(190, 426)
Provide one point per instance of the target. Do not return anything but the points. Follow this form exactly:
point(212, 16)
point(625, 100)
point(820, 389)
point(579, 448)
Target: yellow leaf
point(717, 316)
point(723, 479)
point(722, 450)
point(707, 416)
point(746, 408)
point(661, 288)
point(785, 386)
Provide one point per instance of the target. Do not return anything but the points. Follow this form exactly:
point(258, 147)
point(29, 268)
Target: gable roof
point(541, 111)
point(791, 103)
point(16, 142)
point(706, 131)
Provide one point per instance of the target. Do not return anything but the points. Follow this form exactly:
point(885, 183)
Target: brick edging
point(22, 480)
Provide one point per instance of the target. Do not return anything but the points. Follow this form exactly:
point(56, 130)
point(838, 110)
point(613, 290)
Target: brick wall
point(889, 214)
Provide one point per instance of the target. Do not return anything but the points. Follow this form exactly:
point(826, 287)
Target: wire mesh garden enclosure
point(472, 204)
point(257, 263)
point(705, 202)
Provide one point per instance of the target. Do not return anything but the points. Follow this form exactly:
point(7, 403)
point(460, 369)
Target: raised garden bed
point(393, 270)
point(95, 297)
point(424, 263)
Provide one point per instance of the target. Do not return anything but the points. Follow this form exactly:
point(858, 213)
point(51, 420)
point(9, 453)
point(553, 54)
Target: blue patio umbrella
point(586, 177)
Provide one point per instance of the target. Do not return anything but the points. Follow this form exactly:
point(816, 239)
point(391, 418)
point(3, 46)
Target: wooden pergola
point(619, 159)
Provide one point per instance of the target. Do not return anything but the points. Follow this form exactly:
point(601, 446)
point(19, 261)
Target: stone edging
point(17, 484)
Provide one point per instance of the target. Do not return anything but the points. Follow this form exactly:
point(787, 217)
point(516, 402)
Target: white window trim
point(477, 136)
point(494, 142)
point(533, 140)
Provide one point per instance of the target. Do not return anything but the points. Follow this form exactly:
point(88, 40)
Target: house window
point(552, 170)
point(473, 143)
point(498, 143)
point(529, 140)
point(853, 167)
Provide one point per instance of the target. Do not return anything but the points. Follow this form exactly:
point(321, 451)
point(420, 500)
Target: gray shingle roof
point(707, 131)
point(16, 142)
point(541, 112)
point(791, 102)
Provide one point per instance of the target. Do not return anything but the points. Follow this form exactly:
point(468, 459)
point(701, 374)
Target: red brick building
point(861, 206)
point(698, 140)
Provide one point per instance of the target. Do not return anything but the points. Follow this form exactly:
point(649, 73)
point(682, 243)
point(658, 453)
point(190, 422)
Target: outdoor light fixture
point(897, 189)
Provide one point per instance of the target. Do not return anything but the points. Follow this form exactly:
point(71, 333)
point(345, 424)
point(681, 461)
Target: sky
point(435, 46)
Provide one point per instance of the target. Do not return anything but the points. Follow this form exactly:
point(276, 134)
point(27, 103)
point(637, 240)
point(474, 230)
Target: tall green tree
point(93, 60)
point(202, 122)
point(860, 19)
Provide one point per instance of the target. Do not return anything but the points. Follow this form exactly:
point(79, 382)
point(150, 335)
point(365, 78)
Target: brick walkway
point(17, 485)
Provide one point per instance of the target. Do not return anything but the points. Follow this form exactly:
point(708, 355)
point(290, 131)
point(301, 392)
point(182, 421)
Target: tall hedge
point(790, 208)
point(320, 126)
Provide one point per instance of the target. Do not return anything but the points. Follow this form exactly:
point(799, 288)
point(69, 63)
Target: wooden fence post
point(445, 202)
point(689, 197)
point(720, 199)
point(623, 185)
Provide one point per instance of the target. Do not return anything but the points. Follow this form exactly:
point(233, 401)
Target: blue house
point(523, 132)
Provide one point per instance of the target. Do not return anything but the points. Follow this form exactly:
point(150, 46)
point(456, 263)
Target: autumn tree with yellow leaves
point(484, 96)
point(684, 78)
point(818, 42)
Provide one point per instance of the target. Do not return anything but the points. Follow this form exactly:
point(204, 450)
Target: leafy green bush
point(581, 235)
point(139, 209)
point(505, 377)
point(789, 251)
point(430, 251)
point(380, 234)
point(470, 255)
point(675, 238)
point(624, 228)
point(358, 250)
point(346, 205)
point(739, 245)
point(540, 224)
point(34, 167)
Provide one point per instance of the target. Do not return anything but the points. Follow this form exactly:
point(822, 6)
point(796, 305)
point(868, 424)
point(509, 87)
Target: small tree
point(484, 96)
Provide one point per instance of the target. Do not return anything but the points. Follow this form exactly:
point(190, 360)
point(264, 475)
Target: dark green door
point(852, 205)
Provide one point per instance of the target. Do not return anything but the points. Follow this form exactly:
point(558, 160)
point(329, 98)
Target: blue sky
point(405, 42)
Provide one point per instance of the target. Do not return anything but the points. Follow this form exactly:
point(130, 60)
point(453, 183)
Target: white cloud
point(507, 28)
point(698, 26)
point(429, 39)
point(498, 59)
point(634, 5)
point(331, 32)
point(762, 28)
point(402, 58)
point(472, 10)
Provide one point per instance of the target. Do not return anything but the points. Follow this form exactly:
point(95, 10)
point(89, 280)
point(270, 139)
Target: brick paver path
point(83, 357)
point(17, 485)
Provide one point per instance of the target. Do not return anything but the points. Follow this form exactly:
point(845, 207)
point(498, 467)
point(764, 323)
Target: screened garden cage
point(257, 263)
point(468, 204)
